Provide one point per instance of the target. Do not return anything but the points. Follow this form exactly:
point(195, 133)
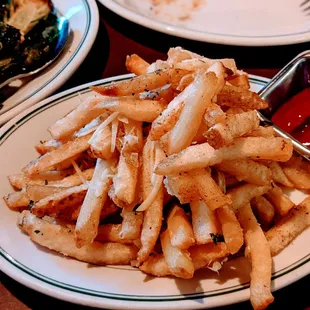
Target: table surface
point(116, 39)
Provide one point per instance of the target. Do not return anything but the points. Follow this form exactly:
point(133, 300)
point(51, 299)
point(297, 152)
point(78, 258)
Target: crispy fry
point(180, 229)
point(202, 155)
point(241, 80)
point(58, 155)
point(232, 231)
point(280, 201)
point(178, 261)
point(204, 222)
point(138, 84)
point(264, 211)
point(61, 239)
point(87, 223)
point(261, 131)
point(214, 114)
point(259, 251)
point(156, 266)
point(278, 174)
point(232, 96)
point(298, 176)
point(136, 64)
point(232, 127)
point(247, 170)
point(47, 146)
point(17, 200)
point(289, 227)
point(243, 194)
point(111, 233)
point(131, 224)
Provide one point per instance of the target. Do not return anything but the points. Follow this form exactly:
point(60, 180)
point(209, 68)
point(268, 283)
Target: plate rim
point(20, 275)
point(71, 65)
point(202, 36)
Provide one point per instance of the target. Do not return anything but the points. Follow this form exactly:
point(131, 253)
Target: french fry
point(264, 210)
point(61, 239)
point(195, 105)
point(156, 266)
point(204, 221)
point(180, 229)
point(209, 190)
point(131, 224)
point(240, 80)
point(178, 261)
point(17, 200)
point(261, 131)
point(298, 176)
point(136, 64)
point(55, 203)
point(232, 127)
point(87, 223)
point(111, 233)
point(205, 254)
point(281, 202)
point(63, 152)
point(289, 227)
point(232, 231)
point(243, 194)
point(47, 146)
point(214, 114)
point(202, 155)
point(152, 220)
point(259, 251)
point(77, 118)
point(231, 181)
point(232, 96)
point(278, 174)
point(138, 84)
point(247, 170)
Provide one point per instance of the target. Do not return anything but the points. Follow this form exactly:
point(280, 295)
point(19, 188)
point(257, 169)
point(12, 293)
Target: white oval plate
point(114, 286)
point(83, 21)
point(238, 22)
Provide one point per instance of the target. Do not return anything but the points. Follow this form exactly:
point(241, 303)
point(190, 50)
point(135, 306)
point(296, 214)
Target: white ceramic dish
point(84, 21)
point(112, 286)
point(239, 22)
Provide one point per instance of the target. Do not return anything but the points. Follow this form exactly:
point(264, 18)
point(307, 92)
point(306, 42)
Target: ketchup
point(294, 117)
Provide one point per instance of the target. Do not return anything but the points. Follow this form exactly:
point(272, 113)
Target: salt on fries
point(177, 157)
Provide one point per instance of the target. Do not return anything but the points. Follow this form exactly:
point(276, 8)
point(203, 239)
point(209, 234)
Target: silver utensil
point(292, 79)
point(63, 27)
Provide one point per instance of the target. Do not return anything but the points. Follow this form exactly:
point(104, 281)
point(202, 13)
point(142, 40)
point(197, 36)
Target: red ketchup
point(294, 117)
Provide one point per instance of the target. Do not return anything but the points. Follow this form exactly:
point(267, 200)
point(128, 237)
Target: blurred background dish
point(83, 22)
point(240, 22)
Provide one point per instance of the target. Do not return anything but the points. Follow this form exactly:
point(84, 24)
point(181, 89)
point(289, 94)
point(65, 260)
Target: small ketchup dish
point(288, 96)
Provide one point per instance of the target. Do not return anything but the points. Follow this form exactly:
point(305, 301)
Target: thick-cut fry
point(213, 115)
point(280, 201)
point(58, 155)
point(38, 192)
point(298, 176)
point(232, 231)
point(76, 119)
point(17, 200)
point(180, 229)
point(87, 224)
point(61, 239)
point(47, 146)
point(264, 210)
point(57, 202)
point(111, 233)
point(152, 220)
point(183, 187)
point(289, 227)
point(278, 174)
point(136, 64)
point(156, 266)
point(243, 194)
point(261, 131)
point(247, 170)
point(204, 255)
point(232, 127)
point(138, 110)
point(232, 96)
point(140, 83)
point(178, 261)
point(131, 224)
point(259, 251)
point(204, 221)
point(202, 155)
point(195, 105)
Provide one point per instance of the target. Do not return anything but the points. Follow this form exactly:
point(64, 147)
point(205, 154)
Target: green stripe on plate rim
point(86, 5)
point(108, 295)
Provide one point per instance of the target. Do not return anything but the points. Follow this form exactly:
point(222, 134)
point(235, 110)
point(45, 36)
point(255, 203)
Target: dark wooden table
point(116, 39)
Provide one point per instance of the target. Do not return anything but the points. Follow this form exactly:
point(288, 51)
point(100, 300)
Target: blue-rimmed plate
point(238, 22)
point(112, 286)
point(84, 21)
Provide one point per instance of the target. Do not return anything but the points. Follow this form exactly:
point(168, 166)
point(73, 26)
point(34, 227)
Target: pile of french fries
point(170, 172)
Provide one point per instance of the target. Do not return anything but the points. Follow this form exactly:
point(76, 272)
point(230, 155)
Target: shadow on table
point(246, 57)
